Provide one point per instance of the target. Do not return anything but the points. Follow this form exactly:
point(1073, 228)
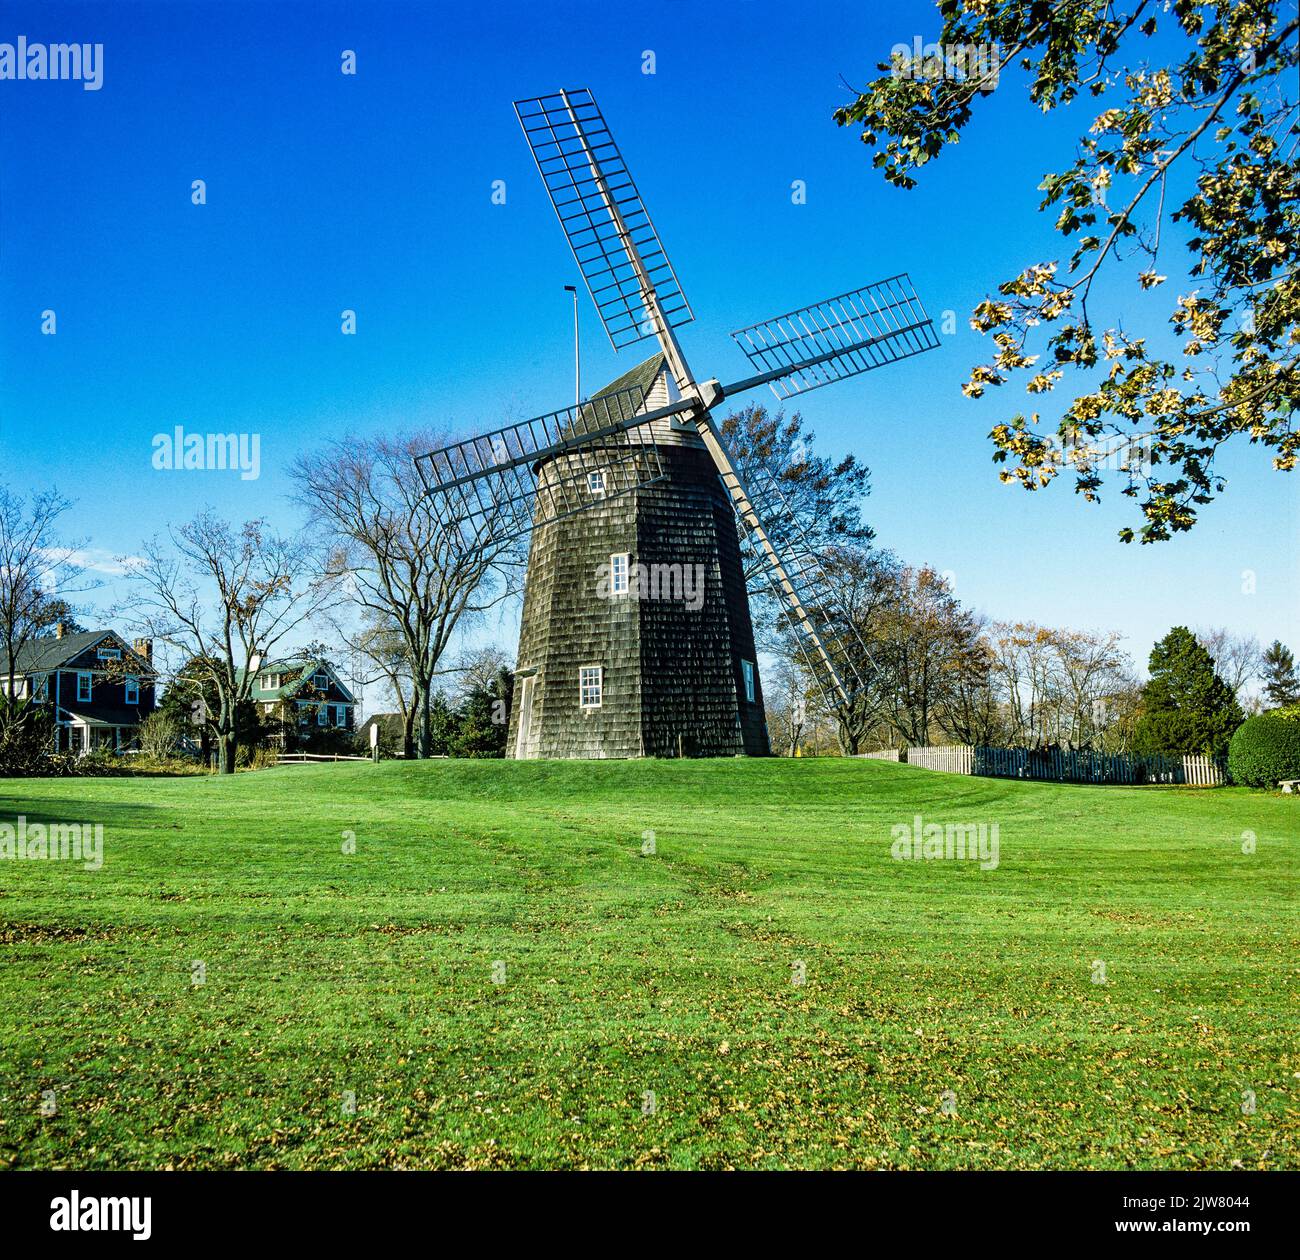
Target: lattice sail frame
point(839, 662)
point(840, 337)
point(493, 480)
point(592, 192)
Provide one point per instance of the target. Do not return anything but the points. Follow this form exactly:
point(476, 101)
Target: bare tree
point(222, 599)
point(1026, 667)
point(1090, 667)
point(969, 710)
point(925, 634)
point(785, 691)
point(866, 588)
point(378, 647)
point(38, 572)
point(1238, 658)
point(401, 557)
point(479, 668)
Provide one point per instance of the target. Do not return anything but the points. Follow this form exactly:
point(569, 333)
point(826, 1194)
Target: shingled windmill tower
point(636, 638)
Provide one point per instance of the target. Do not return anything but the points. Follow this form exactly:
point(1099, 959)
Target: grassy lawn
point(372, 972)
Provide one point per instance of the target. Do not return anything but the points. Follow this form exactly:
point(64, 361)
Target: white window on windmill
point(590, 686)
point(618, 574)
point(747, 672)
point(596, 484)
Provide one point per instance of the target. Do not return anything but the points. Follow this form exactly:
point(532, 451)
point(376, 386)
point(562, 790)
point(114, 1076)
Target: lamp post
point(577, 360)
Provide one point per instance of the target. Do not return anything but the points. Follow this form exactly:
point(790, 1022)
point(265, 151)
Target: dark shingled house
point(100, 688)
point(636, 639)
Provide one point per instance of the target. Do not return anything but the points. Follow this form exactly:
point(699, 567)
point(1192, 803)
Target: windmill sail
point(822, 627)
point(838, 338)
point(604, 219)
point(519, 445)
point(591, 453)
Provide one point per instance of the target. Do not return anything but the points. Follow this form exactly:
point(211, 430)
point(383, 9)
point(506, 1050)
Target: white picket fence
point(1061, 765)
point(950, 758)
point(304, 759)
point(889, 754)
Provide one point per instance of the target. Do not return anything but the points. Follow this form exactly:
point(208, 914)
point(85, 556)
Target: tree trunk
point(419, 718)
point(228, 747)
point(408, 733)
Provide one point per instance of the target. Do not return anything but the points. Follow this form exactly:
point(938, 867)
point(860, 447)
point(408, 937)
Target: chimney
point(60, 629)
point(254, 662)
point(144, 650)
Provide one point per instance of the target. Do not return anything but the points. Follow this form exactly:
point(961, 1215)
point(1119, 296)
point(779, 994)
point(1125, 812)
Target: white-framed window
point(323, 715)
point(320, 681)
point(109, 654)
point(340, 715)
point(83, 686)
point(590, 686)
point(596, 483)
point(42, 683)
point(747, 673)
point(618, 574)
point(131, 688)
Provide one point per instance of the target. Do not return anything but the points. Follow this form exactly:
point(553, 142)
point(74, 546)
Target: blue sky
point(372, 193)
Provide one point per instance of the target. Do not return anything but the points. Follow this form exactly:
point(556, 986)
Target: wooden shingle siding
point(672, 674)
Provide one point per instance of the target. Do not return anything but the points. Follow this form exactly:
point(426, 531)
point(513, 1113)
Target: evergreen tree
point(1186, 706)
point(444, 726)
point(1281, 686)
point(484, 718)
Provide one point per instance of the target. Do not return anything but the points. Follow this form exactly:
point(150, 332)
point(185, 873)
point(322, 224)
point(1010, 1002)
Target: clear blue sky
point(373, 193)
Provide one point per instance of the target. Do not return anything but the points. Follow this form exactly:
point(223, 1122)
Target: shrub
point(26, 738)
point(160, 736)
point(1266, 749)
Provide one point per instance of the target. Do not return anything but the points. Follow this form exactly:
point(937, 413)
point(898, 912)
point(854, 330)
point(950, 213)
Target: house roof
point(109, 715)
point(300, 673)
point(49, 652)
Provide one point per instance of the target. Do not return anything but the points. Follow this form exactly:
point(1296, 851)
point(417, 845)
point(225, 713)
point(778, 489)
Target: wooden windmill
point(632, 493)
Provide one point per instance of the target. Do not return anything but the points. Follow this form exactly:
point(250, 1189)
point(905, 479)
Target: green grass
point(372, 972)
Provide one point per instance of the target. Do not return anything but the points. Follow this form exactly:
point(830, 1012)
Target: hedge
point(1265, 750)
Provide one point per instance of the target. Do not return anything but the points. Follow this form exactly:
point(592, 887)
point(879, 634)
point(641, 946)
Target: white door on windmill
point(525, 746)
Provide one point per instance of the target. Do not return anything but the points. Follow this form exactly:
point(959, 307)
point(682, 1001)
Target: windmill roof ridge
point(644, 374)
